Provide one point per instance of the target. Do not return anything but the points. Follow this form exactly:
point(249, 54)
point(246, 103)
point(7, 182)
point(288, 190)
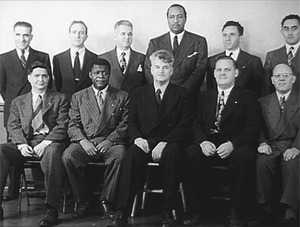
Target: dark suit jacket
point(190, 59)
point(251, 73)
point(86, 121)
point(240, 122)
point(63, 72)
point(134, 75)
point(13, 77)
point(278, 136)
point(55, 116)
point(170, 122)
point(279, 56)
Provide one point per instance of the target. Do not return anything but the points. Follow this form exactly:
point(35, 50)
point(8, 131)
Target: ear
point(90, 75)
point(272, 80)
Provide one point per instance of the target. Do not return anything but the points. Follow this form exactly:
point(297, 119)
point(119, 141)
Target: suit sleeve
point(2, 78)
point(57, 74)
point(133, 129)
point(268, 72)
point(147, 65)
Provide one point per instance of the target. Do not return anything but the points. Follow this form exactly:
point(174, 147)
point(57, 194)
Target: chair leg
point(26, 189)
point(181, 191)
point(144, 194)
point(64, 203)
point(134, 205)
point(20, 194)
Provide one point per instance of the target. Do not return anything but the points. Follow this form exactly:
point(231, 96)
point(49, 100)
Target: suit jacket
point(190, 59)
point(281, 136)
point(63, 72)
point(169, 122)
point(251, 73)
point(55, 116)
point(240, 121)
point(134, 75)
point(279, 56)
point(13, 77)
point(86, 121)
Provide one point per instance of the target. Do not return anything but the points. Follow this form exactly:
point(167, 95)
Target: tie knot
point(158, 91)
point(99, 93)
point(77, 53)
point(123, 54)
point(222, 93)
point(230, 54)
point(23, 51)
point(291, 48)
point(282, 100)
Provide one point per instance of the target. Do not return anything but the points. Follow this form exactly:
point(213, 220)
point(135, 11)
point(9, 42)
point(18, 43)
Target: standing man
point(71, 67)
point(251, 72)
point(127, 65)
point(37, 128)
point(289, 53)
point(189, 50)
point(279, 149)
point(98, 132)
point(13, 78)
point(226, 130)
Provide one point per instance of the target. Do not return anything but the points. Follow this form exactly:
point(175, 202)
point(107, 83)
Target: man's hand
point(208, 148)
point(143, 144)
point(39, 149)
point(88, 147)
point(104, 146)
point(25, 150)
point(290, 153)
point(157, 151)
point(225, 149)
point(264, 148)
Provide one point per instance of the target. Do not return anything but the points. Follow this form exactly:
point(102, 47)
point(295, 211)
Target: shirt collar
point(35, 94)
point(286, 95)
point(104, 91)
point(296, 46)
point(119, 52)
point(73, 50)
point(26, 52)
point(179, 36)
point(226, 91)
point(162, 88)
point(235, 53)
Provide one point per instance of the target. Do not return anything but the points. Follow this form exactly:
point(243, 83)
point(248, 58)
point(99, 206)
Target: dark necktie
point(37, 116)
point(123, 62)
point(175, 44)
point(76, 69)
point(158, 97)
point(282, 103)
point(23, 59)
point(230, 54)
point(290, 56)
point(100, 100)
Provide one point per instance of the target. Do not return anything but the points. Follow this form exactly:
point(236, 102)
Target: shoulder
point(265, 99)
point(61, 54)
point(195, 37)
point(90, 53)
point(6, 54)
point(38, 52)
point(137, 54)
point(250, 56)
point(107, 54)
point(159, 38)
point(213, 58)
point(275, 52)
point(117, 92)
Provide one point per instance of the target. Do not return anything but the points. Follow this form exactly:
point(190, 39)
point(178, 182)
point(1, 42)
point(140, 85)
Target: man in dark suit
point(189, 50)
point(280, 147)
point(71, 67)
point(225, 133)
point(13, 78)
point(98, 132)
point(127, 65)
point(158, 123)
point(251, 72)
point(37, 128)
point(289, 53)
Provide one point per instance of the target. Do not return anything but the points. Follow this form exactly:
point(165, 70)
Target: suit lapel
point(273, 111)
point(115, 61)
point(183, 47)
point(130, 61)
point(47, 103)
point(232, 100)
point(153, 111)
point(92, 105)
point(68, 64)
point(166, 42)
point(27, 110)
point(292, 105)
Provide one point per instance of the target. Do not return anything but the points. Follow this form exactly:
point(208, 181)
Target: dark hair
point(38, 64)
point(162, 55)
point(177, 5)
point(78, 22)
point(100, 61)
point(23, 24)
point(224, 57)
point(236, 24)
point(290, 17)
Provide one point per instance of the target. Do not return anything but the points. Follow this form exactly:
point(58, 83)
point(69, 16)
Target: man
point(13, 78)
point(98, 132)
point(189, 50)
point(225, 133)
point(278, 152)
point(127, 65)
point(71, 67)
point(158, 123)
point(251, 72)
point(289, 53)
point(37, 128)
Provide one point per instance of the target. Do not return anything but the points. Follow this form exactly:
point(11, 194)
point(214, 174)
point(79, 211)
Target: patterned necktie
point(221, 104)
point(23, 59)
point(282, 103)
point(37, 116)
point(76, 69)
point(100, 100)
point(290, 56)
point(123, 62)
point(175, 44)
point(158, 97)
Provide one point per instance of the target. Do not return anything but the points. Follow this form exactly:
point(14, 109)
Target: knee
point(119, 153)
point(292, 164)
point(67, 155)
point(263, 163)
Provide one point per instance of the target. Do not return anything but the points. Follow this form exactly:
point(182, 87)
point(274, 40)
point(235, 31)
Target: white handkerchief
point(191, 55)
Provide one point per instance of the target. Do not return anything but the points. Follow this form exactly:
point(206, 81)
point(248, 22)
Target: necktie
point(290, 56)
point(100, 100)
point(175, 44)
point(123, 62)
point(76, 69)
point(158, 97)
point(282, 103)
point(220, 107)
point(37, 116)
point(230, 54)
point(23, 59)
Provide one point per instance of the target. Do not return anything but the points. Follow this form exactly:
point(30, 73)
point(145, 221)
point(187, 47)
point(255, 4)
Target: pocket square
point(140, 69)
point(191, 55)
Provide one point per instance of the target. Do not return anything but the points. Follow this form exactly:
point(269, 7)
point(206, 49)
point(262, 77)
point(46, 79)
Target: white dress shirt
point(294, 51)
point(103, 92)
point(179, 37)
point(226, 93)
point(235, 53)
point(26, 53)
point(81, 52)
point(162, 88)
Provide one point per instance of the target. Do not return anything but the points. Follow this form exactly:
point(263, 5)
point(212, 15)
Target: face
point(176, 19)
point(39, 79)
point(291, 31)
point(77, 35)
point(23, 37)
point(283, 78)
point(225, 73)
point(99, 76)
point(231, 38)
point(123, 36)
point(161, 71)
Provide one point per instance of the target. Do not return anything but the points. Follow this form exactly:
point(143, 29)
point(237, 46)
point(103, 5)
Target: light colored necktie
point(37, 116)
point(123, 62)
point(290, 56)
point(100, 100)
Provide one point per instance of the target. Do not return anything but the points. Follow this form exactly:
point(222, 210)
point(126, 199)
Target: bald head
point(283, 78)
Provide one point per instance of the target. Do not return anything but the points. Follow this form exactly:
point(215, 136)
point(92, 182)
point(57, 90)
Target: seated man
point(37, 128)
point(98, 131)
point(279, 147)
point(226, 130)
point(158, 123)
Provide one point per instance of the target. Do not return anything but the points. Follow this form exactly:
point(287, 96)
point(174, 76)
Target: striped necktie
point(100, 100)
point(290, 56)
point(23, 59)
point(37, 116)
point(123, 62)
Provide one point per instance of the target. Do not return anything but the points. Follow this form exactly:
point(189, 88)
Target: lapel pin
point(140, 69)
